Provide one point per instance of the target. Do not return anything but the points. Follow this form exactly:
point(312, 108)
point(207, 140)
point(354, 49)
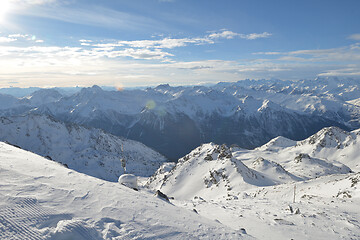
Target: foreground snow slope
point(40, 199)
point(324, 208)
point(86, 150)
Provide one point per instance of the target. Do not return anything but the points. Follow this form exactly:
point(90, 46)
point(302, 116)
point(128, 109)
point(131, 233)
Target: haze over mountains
point(175, 120)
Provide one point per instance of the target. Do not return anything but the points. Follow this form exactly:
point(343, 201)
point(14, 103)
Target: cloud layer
point(31, 62)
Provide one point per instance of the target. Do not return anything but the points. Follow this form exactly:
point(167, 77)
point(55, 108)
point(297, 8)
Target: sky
point(123, 43)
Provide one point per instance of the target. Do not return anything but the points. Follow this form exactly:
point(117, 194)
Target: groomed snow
point(41, 199)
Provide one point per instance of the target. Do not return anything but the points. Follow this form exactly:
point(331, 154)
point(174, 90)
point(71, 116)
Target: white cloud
point(7, 39)
point(164, 43)
point(253, 36)
point(267, 53)
point(155, 49)
point(32, 2)
point(349, 53)
point(85, 41)
point(147, 54)
point(355, 37)
point(88, 14)
point(230, 35)
point(18, 35)
point(224, 34)
point(118, 62)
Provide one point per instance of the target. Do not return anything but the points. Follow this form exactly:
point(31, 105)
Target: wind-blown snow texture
point(175, 120)
point(89, 151)
point(41, 199)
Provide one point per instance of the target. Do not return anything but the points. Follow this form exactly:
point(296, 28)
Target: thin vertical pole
point(294, 193)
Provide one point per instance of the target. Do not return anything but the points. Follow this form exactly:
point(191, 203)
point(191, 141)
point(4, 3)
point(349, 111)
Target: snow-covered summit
point(330, 137)
point(209, 171)
point(43, 96)
point(278, 143)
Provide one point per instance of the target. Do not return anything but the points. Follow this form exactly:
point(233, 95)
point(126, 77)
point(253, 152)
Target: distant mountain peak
point(95, 89)
point(328, 137)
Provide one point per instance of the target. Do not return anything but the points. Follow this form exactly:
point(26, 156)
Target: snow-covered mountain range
point(174, 120)
point(286, 188)
point(214, 171)
point(299, 180)
point(86, 150)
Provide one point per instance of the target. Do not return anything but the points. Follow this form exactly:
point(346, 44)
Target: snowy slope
point(8, 102)
point(332, 144)
point(90, 151)
point(324, 208)
point(43, 96)
point(282, 190)
point(40, 199)
point(209, 171)
point(315, 156)
point(212, 171)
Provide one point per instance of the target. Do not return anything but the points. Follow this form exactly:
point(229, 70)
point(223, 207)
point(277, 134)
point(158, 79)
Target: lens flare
point(119, 87)
point(4, 9)
point(150, 104)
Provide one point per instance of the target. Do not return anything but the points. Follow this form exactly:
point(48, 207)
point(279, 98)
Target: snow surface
point(86, 150)
point(41, 199)
point(281, 190)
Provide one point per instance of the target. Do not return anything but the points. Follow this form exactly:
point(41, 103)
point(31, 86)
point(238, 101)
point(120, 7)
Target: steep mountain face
point(90, 151)
point(10, 102)
point(43, 96)
point(171, 134)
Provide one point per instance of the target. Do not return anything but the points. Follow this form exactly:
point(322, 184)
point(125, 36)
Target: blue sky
point(147, 42)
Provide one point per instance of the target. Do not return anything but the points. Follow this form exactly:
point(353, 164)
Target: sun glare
point(4, 8)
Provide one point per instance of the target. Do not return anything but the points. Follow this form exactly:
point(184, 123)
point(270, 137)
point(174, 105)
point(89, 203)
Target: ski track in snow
point(40, 199)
